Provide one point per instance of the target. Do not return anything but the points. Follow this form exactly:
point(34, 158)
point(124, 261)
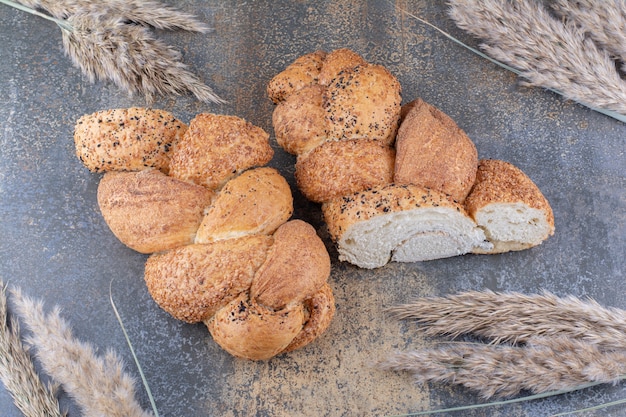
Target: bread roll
point(256, 202)
point(127, 139)
point(509, 207)
point(149, 211)
point(319, 311)
point(432, 151)
point(363, 103)
point(303, 72)
point(216, 148)
point(193, 282)
point(299, 122)
point(298, 252)
point(335, 62)
point(243, 321)
point(404, 223)
point(223, 250)
point(344, 167)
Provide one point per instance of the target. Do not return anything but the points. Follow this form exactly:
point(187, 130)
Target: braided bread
point(215, 222)
point(399, 183)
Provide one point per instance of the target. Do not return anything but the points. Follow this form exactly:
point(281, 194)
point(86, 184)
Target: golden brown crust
point(297, 266)
point(337, 61)
point(149, 211)
point(193, 282)
point(363, 103)
point(249, 330)
point(340, 168)
point(502, 182)
point(319, 311)
point(502, 186)
point(432, 151)
point(299, 122)
point(216, 148)
point(343, 212)
point(302, 72)
point(256, 202)
point(127, 139)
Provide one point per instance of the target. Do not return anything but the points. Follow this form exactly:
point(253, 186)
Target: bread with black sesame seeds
point(403, 223)
point(127, 139)
point(509, 207)
point(222, 248)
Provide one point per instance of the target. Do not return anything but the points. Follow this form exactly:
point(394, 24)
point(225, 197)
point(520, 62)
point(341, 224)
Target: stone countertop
point(56, 247)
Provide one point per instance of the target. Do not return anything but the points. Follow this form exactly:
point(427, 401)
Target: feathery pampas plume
point(515, 317)
point(557, 343)
point(543, 365)
point(17, 371)
point(547, 52)
point(111, 40)
point(603, 21)
point(98, 385)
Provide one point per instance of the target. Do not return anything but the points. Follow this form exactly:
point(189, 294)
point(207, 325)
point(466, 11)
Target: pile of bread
point(215, 220)
point(399, 183)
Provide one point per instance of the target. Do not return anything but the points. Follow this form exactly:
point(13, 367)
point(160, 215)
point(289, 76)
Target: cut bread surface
point(410, 236)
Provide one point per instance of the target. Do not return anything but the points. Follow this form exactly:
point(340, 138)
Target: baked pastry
point(434, 152)
point(223, 250)
point(398, 197)
point(509, 207)
point(345, 100)
point(403, 223)
point(127, 139)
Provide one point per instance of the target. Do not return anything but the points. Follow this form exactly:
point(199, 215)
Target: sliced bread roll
point(405, 223)
point(509, 207)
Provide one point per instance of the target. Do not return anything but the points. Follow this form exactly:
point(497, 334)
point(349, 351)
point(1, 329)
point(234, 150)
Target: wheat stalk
point(17, 371)
point(543, 365)
point(547, 52)
point(604, 21)
point(515, 317)
point(112, 40)
point(144, 12)
point(97, 384)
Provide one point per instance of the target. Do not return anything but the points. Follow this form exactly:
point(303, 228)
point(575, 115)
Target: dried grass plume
point(112, 40)
point(548, 52)
point(539, 343)
point(98, 384)
point(17, 370)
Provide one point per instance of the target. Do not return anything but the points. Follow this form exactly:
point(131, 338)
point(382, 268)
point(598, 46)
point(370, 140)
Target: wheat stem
point(607, 112)
point(604, 21)
point(132, 351)
point(62, 23)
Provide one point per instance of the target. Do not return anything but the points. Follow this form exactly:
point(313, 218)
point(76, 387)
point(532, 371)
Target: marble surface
point(56, 247)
